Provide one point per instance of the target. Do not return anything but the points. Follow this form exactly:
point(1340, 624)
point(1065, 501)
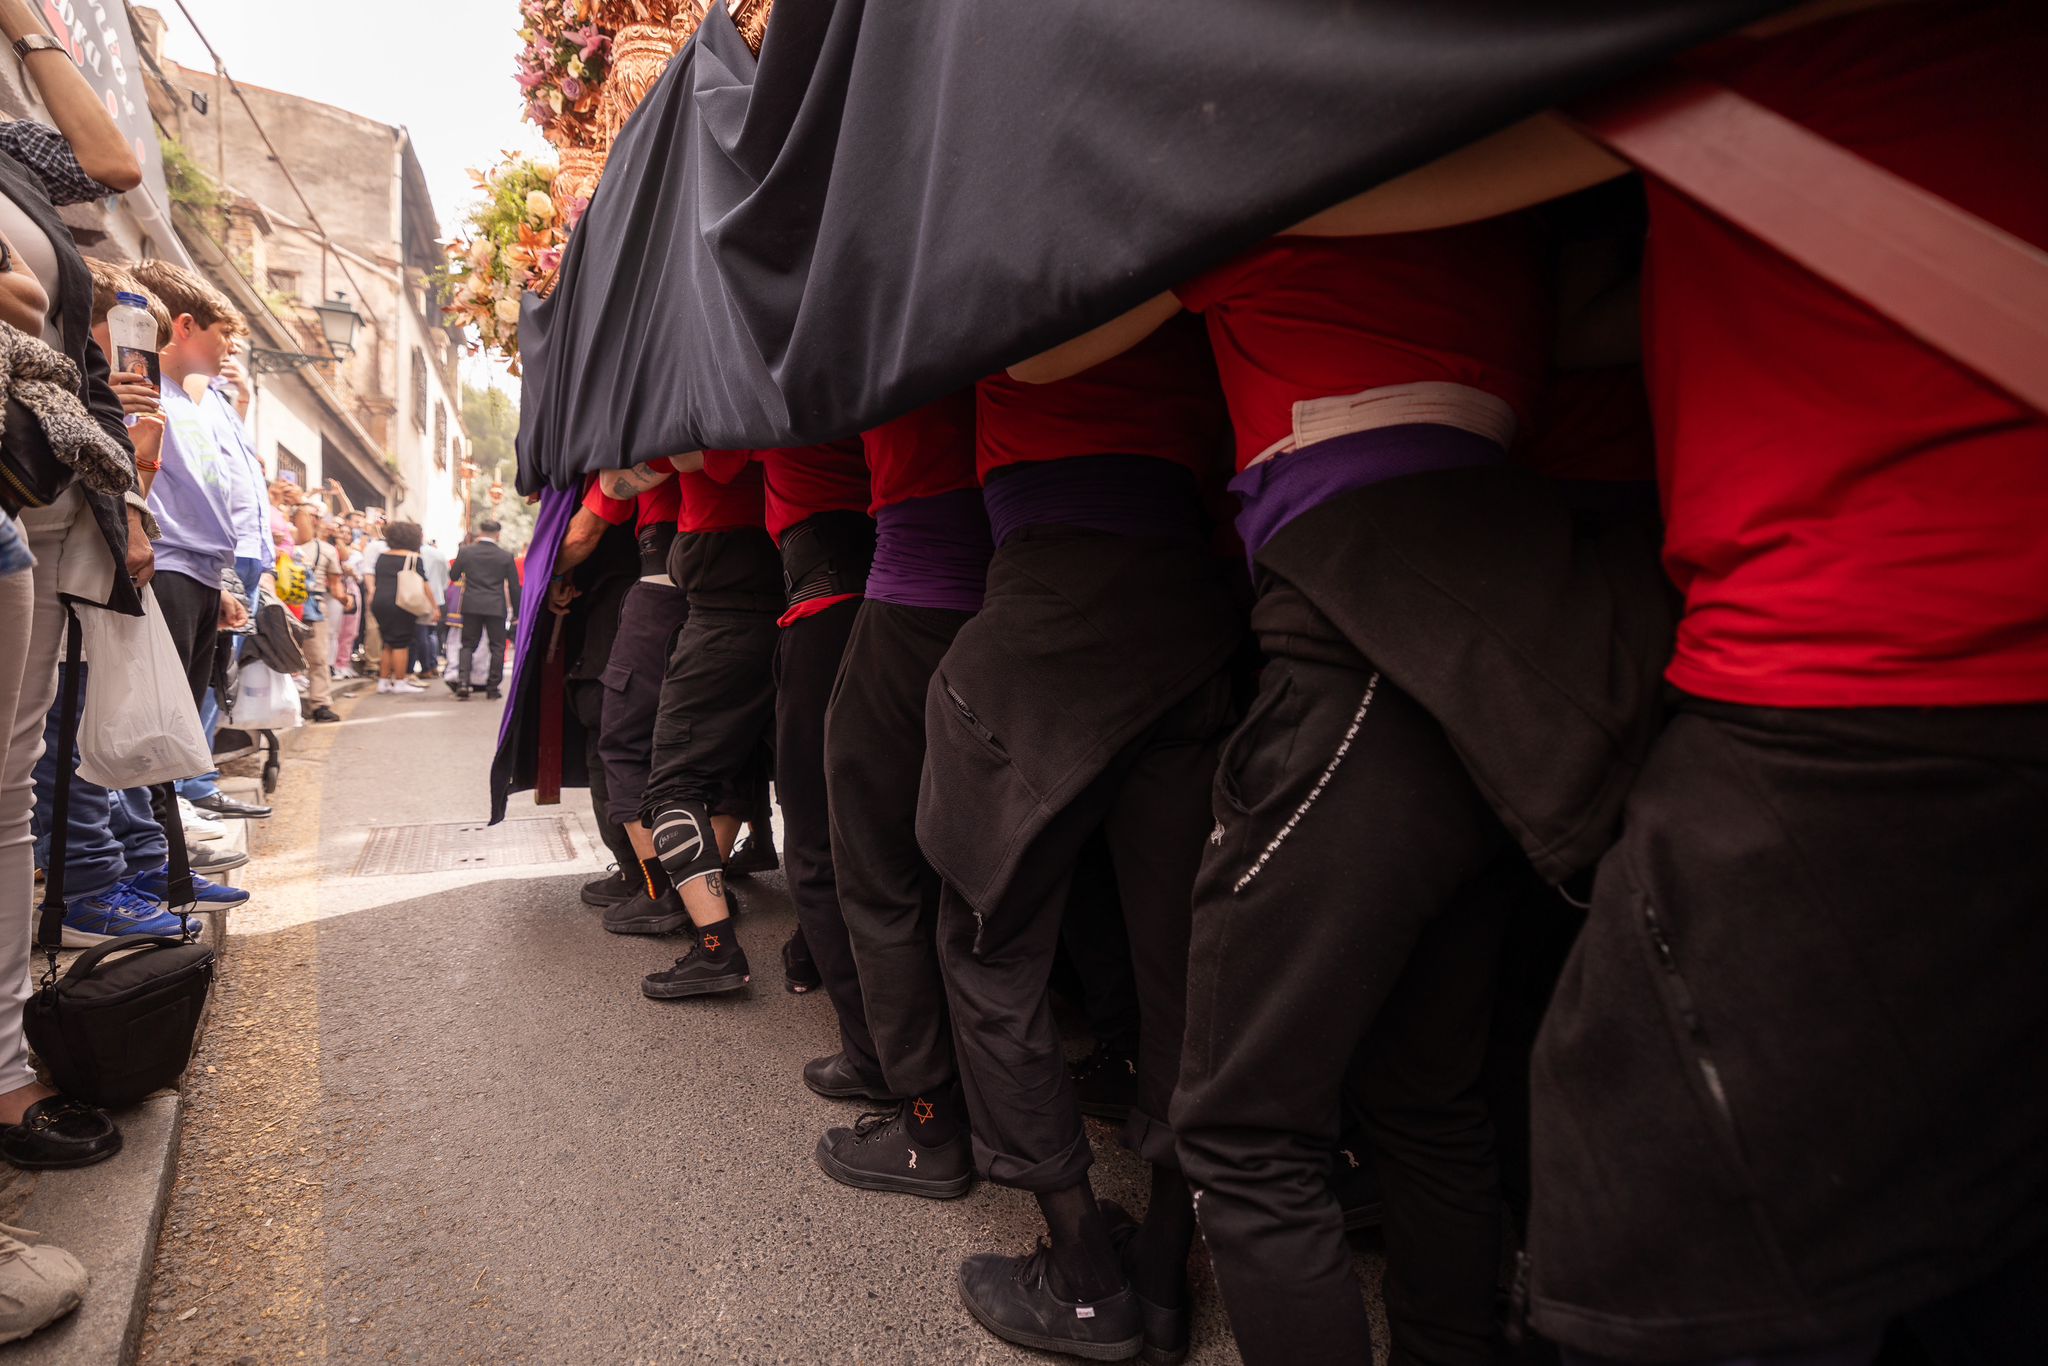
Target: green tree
point(491, 417)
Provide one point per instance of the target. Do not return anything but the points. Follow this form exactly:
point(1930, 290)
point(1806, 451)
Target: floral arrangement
point(511, 242)
point(561, 67)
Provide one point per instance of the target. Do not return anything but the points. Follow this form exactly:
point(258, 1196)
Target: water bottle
point(133, 331)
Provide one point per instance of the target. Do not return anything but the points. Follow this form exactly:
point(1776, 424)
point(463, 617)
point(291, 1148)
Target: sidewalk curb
point(110, 1215)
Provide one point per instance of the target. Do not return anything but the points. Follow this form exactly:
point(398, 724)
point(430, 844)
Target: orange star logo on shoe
point(923, 1110)
point(711, 943)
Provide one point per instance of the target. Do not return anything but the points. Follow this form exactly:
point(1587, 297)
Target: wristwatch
point(39, 42)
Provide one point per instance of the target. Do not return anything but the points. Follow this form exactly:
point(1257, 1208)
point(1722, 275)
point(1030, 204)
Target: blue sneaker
point(209, 895)
point(95, 919)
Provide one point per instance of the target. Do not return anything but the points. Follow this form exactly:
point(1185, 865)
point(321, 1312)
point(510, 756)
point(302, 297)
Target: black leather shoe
point(642, 914)
point(1015, 1299)
point(1106, 1083)
point(324, 715)
point(59, 1132)
point(1166, 1328)
point(878, 1154)
point(208, 859)
point(615, 886)
point(696, 975)
point(799, 974)
point(755, 855)
point(836, 1078)
point(220, 804)
point(493, 694)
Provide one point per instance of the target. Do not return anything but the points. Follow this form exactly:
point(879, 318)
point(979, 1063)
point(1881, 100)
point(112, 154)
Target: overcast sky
point(442, 68)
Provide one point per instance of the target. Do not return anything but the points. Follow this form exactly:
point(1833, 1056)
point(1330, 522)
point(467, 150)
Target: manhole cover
point(452, 845)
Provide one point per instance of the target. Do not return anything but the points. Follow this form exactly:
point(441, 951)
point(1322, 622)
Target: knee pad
point(684, 842)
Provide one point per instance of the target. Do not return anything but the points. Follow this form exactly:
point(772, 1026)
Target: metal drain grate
point(452, 845)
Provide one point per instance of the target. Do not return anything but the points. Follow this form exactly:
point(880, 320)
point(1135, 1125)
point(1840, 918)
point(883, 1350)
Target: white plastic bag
point(139, 725)
point(479, 665)
point(268, 700)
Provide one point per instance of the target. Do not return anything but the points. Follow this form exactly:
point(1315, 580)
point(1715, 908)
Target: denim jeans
point(111, 836)
point(206, 784)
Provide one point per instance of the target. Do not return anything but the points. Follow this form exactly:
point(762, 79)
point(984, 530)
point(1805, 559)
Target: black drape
point(903, 195)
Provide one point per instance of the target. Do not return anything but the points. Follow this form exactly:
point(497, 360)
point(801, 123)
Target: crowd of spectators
point(148, 498)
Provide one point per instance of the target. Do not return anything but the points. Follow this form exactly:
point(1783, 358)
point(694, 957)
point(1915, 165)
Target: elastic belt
point(827, 555)
point(1432, 402)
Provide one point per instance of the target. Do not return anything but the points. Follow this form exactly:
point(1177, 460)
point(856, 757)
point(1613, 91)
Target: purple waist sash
point(1123, 495)
point(932, 552)
point(1275, 492)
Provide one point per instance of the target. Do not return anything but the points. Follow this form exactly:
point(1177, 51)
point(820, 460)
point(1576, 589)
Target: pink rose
point(572, 89)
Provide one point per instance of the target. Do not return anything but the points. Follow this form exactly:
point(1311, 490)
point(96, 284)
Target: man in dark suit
point(489, 576)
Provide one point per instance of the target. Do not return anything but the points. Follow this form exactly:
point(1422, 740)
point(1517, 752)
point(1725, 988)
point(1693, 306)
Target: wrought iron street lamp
point(338, 324)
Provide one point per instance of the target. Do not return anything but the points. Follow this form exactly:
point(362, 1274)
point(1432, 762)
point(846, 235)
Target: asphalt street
point(435, 1120)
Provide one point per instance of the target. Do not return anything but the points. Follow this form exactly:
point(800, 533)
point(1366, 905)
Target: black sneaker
point(614, 887)
point(877, 1154)
point(1106, 1082)
point(697, 975)
point(755, 854)
point(1167, 1328)
point(835, 1077)
point(1014, 1298)
point(1357, 1188)
point(799, 974)
point(642, 914)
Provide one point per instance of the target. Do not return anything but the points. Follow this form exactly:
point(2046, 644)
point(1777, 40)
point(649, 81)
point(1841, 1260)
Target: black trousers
point(586, 701)
point(1792, 1083)
point(1098, 952)
point(1151, 804)
point(874, 754)
point(1347, 926)
point(192, 610)
point(717, 702)
point(476, 628)
point(650, 619)
point(806, 668)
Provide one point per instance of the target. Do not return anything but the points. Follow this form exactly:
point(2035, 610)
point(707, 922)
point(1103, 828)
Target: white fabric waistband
point(1395, 405)
point(664, 580)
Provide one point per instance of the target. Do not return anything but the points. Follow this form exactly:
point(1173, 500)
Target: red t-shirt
point(1160, 398)
point(651, 508)
point(708, 503)
point(1855, 519)
point(924, 453)
point(1301, 318)
point(800, 481)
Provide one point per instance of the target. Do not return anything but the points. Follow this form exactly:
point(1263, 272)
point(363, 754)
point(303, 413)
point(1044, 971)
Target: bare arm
point(23, 301)
point(625, 484)
point(687, 464)
point(79, 114)
point(1533, 162)
point(1106, 342)
point(580, 542)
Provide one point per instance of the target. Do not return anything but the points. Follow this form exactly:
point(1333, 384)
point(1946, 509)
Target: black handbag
point(31, 475)
point(121, 1022)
